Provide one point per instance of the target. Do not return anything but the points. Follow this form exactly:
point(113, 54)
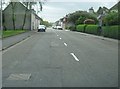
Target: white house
point(32, 20)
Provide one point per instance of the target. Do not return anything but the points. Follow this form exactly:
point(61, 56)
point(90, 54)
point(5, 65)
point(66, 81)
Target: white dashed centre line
point(60, 38)
point(57, 35)
point(74, 56)
point(65, 44)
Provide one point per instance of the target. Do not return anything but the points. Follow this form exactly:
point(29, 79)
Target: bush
point(72, 28)
point(111, 31)
point(111, 19)
point(81, 28)
point(92, 29)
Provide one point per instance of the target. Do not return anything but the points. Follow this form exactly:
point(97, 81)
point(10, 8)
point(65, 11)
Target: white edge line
point(74, 56)
point(65, 44)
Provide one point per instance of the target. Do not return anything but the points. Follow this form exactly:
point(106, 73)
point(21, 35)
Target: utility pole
point(1, 26)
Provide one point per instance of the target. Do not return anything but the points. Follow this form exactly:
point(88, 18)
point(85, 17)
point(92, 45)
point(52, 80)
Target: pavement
point(61, 58)
point(10, 41)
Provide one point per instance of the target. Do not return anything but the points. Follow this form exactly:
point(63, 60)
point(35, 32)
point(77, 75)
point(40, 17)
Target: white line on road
point(74, 56)
point(60, 38)
point(57, 35)
point(65, 44)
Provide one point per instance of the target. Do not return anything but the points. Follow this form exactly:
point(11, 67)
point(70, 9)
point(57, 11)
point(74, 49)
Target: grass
point(9, 33)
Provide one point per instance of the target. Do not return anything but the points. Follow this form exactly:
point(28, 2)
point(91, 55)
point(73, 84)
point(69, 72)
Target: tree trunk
point(13, 14)
point(25, 17)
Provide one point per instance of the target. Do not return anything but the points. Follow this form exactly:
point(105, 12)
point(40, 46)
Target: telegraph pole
point(1, 27)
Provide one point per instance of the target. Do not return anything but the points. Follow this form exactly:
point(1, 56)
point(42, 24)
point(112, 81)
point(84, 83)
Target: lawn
point(9, 33)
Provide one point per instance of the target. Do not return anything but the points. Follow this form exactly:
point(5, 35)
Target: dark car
point(41, 28)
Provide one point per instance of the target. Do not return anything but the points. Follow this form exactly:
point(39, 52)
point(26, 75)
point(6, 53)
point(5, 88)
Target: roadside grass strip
point(9, 33)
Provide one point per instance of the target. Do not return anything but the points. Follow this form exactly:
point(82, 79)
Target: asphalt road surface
point(58, 58)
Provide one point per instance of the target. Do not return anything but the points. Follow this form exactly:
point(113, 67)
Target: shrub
point(92, 29)
point(111, 31)
point(111, 19)
point(72, 28)
point(81, 28)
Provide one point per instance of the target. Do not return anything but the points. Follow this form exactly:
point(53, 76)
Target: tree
point(29, 6)
point(79, 17)
point(13, 14)
point(111, 19)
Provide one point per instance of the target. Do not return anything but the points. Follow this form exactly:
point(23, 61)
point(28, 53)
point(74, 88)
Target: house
point(91, 10)
point(15, 18)
point(115, 7)
point(102, 10)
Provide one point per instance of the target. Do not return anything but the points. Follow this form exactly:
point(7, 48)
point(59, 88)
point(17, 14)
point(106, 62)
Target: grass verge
point(9, 33)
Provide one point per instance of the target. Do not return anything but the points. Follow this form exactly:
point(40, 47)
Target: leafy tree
point(111, 19)
point(79, 17)
point(29, 5)
point(13, 13)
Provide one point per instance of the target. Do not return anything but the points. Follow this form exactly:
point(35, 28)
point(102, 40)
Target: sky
point(54, 10)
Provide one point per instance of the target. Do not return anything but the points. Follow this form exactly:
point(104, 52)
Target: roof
point(101, 9)
point(115, 7)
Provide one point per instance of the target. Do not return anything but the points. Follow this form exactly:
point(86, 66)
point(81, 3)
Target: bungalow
point(15, 18)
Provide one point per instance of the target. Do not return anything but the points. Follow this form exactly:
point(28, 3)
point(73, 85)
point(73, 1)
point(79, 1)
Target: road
point(61, 59)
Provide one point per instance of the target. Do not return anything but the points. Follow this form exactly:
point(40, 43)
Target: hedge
point(111, 31)
point(92, 29)
point(107, 31)
point(81, 28)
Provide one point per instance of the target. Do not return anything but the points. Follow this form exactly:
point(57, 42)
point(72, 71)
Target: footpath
point(10, 41)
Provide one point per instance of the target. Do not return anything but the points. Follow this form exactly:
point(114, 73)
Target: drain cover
point(19, 77)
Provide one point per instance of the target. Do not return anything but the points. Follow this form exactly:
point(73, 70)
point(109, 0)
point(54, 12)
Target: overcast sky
point(54, 10)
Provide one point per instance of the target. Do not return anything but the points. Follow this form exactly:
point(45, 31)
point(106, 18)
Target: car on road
point(41, 28)
point(54, 27)
point(59, 28)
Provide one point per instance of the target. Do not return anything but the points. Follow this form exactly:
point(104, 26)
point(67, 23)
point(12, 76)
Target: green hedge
point(111, 31)
point(92, 29)
point(80, 28)
point(107, 31)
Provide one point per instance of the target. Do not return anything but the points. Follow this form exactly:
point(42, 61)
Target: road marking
point(15, 45)
point(65, 44)
point(74, 56)
point(57, 35)
point(60, 38)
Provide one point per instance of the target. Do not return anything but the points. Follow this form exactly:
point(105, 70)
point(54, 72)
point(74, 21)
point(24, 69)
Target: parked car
point(41, 28)
point(59, 28)
point(54, 27)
